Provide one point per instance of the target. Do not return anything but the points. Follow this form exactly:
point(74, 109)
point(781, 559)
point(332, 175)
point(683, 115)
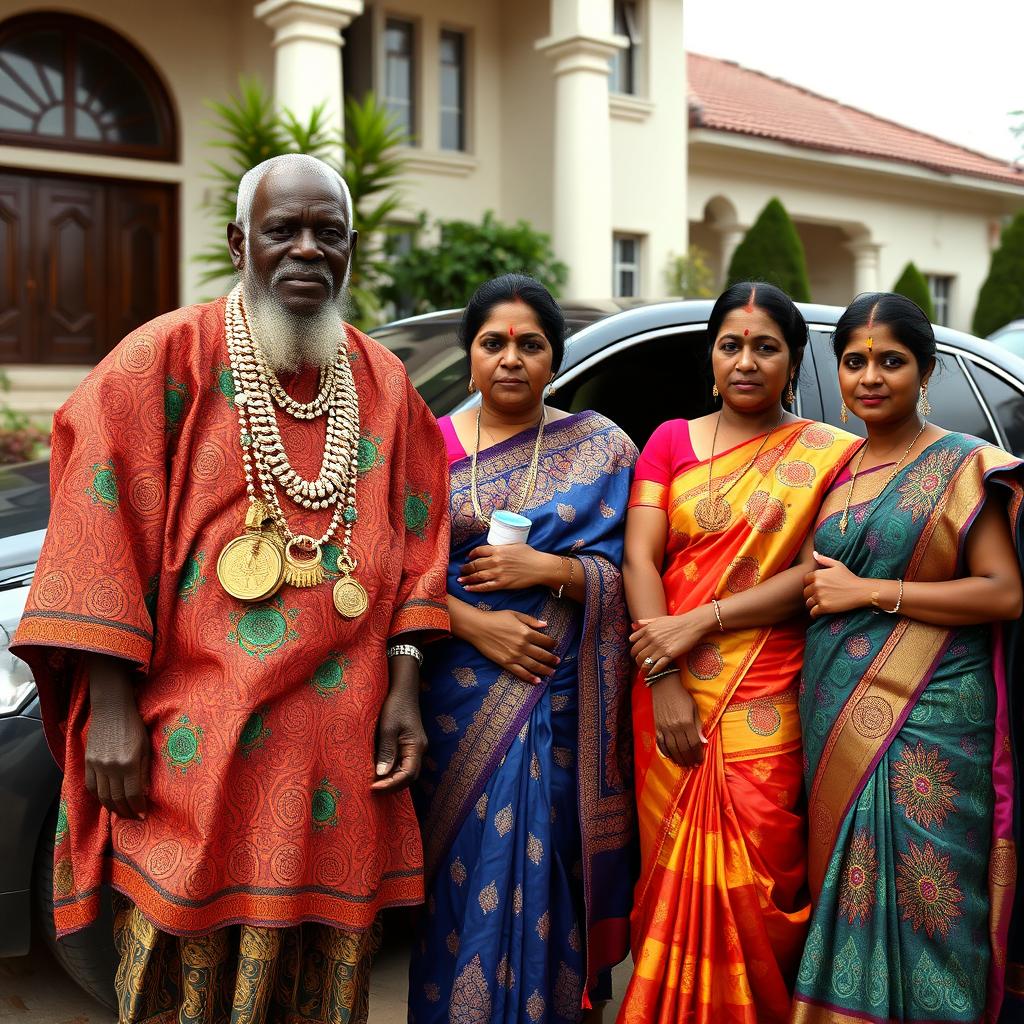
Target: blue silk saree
point(909, 764)
point(526, 792)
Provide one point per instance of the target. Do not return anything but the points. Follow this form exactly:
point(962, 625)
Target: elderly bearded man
point(248, 539)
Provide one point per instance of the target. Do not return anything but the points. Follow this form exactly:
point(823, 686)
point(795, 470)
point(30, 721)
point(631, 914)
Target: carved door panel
point(141, 256)
point(71, 269)
point(16, 284)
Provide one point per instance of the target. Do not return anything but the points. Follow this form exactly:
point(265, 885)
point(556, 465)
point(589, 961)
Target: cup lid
point(511, 519)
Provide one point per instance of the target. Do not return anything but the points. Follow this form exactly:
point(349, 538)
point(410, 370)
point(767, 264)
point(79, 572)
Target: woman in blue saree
point(525, 796)
point(905, 704)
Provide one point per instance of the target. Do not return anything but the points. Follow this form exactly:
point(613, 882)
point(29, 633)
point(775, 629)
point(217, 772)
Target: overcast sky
point(953, 68)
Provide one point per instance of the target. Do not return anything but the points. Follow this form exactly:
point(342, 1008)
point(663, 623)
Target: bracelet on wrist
point(876, 607)
point(409, 650)
point(649, 681)
point(566, 564)
point(718, 613)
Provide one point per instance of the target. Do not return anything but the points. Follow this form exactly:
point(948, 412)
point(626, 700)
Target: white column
point(582, 192)
point(865, 265)
point(731, 235)
point(307, 54)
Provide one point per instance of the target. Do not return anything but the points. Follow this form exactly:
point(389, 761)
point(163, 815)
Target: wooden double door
point(83, 262)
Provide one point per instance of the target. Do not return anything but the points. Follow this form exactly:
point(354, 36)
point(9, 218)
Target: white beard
point(291, 341)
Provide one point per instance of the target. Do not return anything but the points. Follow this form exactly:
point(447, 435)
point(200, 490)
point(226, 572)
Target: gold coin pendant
point(350, 597)
point(713, 513)
point(251, 567)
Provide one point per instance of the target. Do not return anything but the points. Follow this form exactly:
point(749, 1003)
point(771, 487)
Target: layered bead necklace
point(245, 566)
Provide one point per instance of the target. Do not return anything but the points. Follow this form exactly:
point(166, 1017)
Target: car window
point(954, 403)
point(1012, 341)
point(1006, 403)
point(433, 359)
point(24, 497)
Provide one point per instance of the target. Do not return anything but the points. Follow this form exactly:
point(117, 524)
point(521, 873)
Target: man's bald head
point(293, 164)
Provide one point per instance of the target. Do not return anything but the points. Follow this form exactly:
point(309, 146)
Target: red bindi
point(746, 332)
point(511, 331)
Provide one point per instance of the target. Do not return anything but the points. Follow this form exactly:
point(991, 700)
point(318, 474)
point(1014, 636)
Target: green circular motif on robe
point(329, 676)
point(105, 486)
point(330, 554)
point(416, 513)
point(226, 384)
point(190, 579)
point(182, 745)
point(174, 405)
point(325, 806)
point(62, 821)
point(253, 729)
point(366, 453)
point(262, 630)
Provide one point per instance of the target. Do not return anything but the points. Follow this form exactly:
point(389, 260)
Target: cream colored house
point(572, 114)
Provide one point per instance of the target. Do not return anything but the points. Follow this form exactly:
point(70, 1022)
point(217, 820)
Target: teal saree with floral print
point(909, 764)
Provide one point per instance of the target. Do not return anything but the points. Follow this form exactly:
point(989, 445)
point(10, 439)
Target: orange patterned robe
point(262, 717)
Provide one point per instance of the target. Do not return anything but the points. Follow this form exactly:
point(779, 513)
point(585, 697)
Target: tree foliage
point(689, 275)
point(445, 274)
point(250, 130)
point(772, 251)
point(913, 285)
point(1001, 298)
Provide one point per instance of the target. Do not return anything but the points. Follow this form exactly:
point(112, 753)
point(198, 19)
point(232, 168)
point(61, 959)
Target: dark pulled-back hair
point(771, 300)
point(510, 288)
point(905, 318)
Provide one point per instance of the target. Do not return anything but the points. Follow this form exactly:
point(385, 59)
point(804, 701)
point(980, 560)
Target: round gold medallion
point(350, 598)
point(713, 513)
point(251, 567)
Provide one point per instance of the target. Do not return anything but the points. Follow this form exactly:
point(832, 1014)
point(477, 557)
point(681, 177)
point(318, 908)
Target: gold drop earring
point(471, 386)
point(790, 394)
point(714, 390)
point(843, 414)
point(924, 407)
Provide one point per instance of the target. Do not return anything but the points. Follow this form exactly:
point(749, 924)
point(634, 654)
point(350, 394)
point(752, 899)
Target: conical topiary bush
point(772, 251)
point(1001, 298)
point(912, 285)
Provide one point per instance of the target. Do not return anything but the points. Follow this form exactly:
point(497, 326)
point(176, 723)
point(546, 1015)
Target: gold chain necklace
point(531, 476)
point(713, 513)
point(845, 518)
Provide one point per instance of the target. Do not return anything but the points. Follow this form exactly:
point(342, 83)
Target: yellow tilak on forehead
point(870, 342)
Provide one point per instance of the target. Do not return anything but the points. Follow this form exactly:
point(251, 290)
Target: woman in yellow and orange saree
point(719, 511)
point(906, 709)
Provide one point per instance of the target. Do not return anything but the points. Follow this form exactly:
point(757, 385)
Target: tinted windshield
point(433, 358)
point(1012, 340)
point(24, 497)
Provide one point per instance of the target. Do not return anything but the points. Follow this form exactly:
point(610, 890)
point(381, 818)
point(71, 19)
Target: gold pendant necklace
point(251, 567)
point(713, 513)
point(531, 476)
point(350, 598)
point(844, 519)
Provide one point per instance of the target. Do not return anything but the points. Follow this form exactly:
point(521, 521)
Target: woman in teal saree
point(526, 791)
point(904, 703)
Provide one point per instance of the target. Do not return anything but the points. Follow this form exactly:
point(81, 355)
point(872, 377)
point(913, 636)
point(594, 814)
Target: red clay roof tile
point(727, 97)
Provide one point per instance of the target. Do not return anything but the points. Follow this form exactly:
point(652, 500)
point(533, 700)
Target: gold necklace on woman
point(713, 513)
point(531, 476)
point(845, 518)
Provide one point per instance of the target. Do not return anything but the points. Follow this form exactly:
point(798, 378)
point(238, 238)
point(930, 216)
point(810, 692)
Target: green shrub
point(445, 275)
point(913, 285)
point(689, 275)
point(1001, 298)
point(772, 251)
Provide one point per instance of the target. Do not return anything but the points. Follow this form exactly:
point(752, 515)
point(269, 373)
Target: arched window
point(69, 83)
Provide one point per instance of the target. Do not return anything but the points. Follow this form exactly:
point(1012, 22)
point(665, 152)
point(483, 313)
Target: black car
point(638, 366)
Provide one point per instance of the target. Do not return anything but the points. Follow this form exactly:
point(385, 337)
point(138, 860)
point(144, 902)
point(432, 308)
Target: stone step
point(39, 391)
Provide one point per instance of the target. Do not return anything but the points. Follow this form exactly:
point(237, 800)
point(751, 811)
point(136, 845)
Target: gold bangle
point(718, 613)
point(568, 583)
point(651, 680)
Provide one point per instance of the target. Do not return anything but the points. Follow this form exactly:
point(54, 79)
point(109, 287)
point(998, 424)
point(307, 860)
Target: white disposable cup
point(508, 528)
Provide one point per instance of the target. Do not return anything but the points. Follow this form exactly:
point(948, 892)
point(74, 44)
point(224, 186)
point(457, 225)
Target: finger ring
point(648, 663)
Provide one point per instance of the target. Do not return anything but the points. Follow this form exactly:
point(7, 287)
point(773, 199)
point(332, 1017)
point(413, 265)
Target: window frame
point(410, 23)
point(621, 266)
point(626, 63)
point(463, 73)
point(946, 300)
point(72, 28)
